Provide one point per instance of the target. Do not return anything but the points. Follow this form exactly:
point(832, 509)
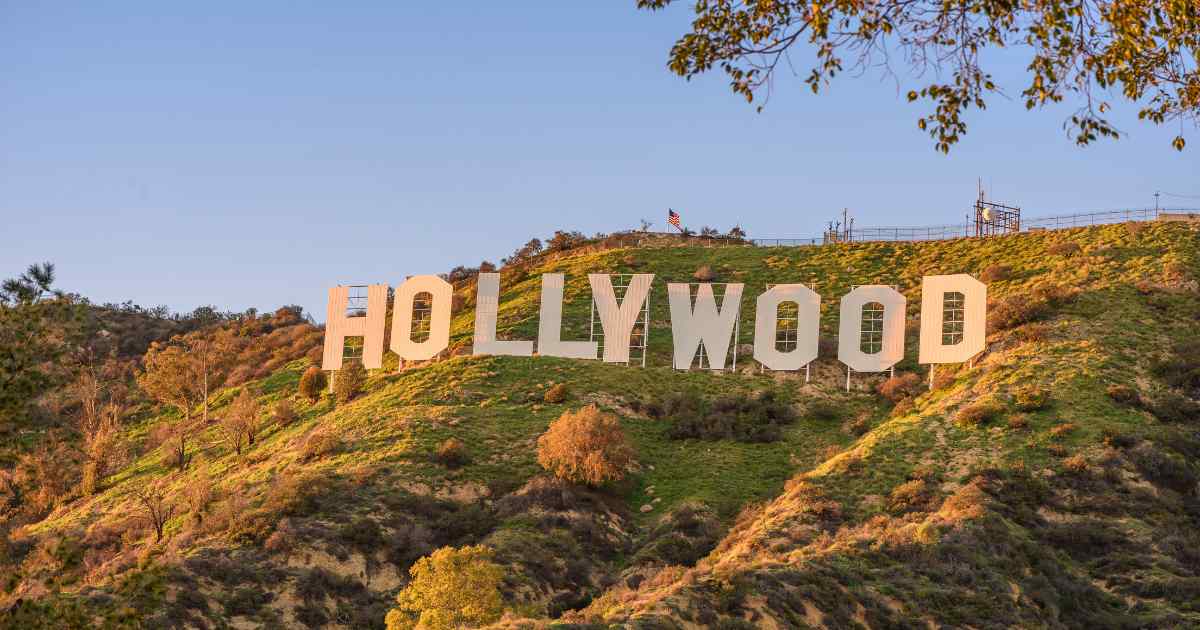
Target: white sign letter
point(808, 316)
point(618, 320)
point(550, 343)
point(439, 318)
point(370, 328)
point(876, 342)
point(953, 318)
point(689, 327)
point(487, 307)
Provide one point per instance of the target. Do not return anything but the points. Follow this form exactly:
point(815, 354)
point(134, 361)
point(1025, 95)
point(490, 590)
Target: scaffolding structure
point(639, 339)
point(995, 219)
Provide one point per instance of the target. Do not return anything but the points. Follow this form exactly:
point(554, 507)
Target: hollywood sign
point(953, 320)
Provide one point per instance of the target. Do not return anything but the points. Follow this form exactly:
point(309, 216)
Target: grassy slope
point(1107, 334)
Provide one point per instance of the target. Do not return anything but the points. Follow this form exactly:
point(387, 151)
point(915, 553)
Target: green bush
point(757, 418)
point(1173, 407)
point(349, 381)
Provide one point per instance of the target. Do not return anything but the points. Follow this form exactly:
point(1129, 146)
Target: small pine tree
point(450, 588)
point(349, 381)
point(312, 383)
point(585, 446)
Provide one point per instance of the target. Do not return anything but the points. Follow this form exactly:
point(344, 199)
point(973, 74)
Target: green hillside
point(1053, 483)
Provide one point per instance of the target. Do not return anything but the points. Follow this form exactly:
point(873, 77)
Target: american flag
point(673, 218)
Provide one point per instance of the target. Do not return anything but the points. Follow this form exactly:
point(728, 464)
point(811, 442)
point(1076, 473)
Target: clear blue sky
point(199, 153)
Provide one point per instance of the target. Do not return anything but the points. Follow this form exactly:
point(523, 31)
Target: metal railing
point(947, 232)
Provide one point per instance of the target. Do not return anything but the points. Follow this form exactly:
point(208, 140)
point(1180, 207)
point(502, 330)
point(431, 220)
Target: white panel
point(439, 318)
point(690, 326)
point(850, 329)
point(550, 341)
point(487, 307)
point(808, 313)
point(618, 320)
point(370, 327)
point(933, 293)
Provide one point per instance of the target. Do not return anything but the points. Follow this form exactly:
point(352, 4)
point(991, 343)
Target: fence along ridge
point(963, 230)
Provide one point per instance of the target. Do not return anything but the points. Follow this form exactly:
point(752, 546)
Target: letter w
point(690, 327)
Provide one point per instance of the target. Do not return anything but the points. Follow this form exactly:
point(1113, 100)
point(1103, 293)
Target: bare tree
point(240, 423)
point(155, 507)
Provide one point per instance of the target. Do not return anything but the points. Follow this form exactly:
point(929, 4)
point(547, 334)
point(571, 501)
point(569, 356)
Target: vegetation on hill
point(1051, 483)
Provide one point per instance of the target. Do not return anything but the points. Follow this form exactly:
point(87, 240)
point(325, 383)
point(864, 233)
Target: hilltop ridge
point(1052, 483)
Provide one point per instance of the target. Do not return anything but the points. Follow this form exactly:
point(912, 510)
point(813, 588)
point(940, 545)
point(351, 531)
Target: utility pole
point(1156, 194)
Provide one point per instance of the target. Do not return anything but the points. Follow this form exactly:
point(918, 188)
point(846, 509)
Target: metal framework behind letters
point(356, 306)
point(994, 219)
point(639, 339)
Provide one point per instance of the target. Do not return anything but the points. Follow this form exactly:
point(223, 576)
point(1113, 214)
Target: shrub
point(1031, 398)
point(996, 273)
point(1066, 249)
point(585, 446)
point(1182, 368)
point(1163, 469)
point(904, 385)
point(1076, 463)
point(823, 410)
point(1173, 407)
point(1124, 395)
point(1018, 422)
point(285, 413)
point(556, 394)
point(910, 496)
point(978, 413)
point(705, 274)
point(349, 381)
point(319, 443)
point(1063, 429)
point(758, 418)
point(199, 494)
point(312, 383)
point(1116, 439)
point(451, 588)
point(1015, 310)
point(860, 426)
point(452, 453)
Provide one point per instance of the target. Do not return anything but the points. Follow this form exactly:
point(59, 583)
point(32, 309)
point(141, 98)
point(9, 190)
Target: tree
point(38, 325)
point(585, 446)
point(1147, 51)
point(99, 422)
point(524, 253)
point(349, 381)
point(156, 509)
point(737, 232)
point(312, 383)
point(213, 352)
point(172, 376)
point(450, 588)
point(240, 423)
